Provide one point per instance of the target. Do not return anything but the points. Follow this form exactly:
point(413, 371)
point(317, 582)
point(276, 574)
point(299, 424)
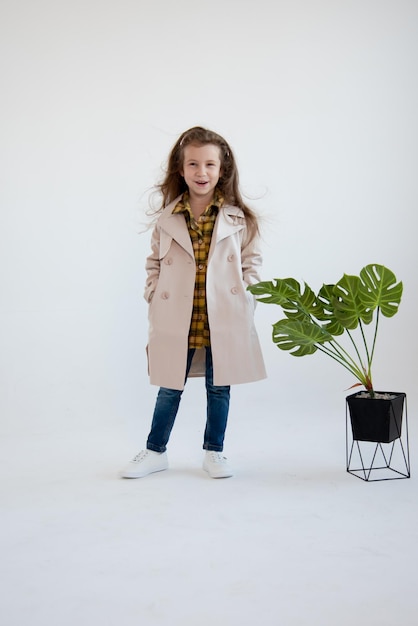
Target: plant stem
point(351, 367)
point(374, 338)
point(365, 343)
point(355, 347)
point(345, 357)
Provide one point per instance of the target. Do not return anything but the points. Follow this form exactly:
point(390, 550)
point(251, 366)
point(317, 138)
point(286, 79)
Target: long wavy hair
point(174, 184)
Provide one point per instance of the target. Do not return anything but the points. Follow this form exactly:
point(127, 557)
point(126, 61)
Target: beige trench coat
point(232, 265)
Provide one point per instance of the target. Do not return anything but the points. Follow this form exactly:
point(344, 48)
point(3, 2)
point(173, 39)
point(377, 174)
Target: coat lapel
point(175, 227)
point(230, 221)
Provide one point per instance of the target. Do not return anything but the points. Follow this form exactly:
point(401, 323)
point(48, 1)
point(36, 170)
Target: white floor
point(292, 539)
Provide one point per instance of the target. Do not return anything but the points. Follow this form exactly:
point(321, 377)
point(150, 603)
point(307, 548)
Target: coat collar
point(230, 220)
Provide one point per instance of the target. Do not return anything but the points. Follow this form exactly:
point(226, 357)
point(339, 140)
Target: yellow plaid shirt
point(201, 234)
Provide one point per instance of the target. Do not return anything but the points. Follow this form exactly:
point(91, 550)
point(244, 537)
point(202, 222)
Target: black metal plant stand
point(374, 460)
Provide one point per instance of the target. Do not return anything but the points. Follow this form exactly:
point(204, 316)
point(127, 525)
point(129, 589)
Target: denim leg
point(165, 412)
point(217, 409)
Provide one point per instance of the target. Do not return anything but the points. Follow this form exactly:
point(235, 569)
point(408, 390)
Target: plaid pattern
point(201, 234)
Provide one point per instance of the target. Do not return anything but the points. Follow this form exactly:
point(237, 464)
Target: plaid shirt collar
point(183, 205)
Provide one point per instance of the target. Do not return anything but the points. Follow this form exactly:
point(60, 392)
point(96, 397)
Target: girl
point(204, 254)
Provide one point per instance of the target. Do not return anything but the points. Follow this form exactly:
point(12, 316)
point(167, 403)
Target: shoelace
point(216, 457)
point(140, 456)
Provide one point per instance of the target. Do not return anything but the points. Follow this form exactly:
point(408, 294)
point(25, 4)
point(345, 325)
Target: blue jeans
point(167, 404)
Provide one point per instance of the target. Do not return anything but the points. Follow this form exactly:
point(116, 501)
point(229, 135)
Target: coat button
point(231, 257)
point(234, 290)
point(165, 295)
point(168, 261)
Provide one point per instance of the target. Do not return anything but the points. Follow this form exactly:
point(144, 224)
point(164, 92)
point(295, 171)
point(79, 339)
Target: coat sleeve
point(152, 265)
point(251, 261)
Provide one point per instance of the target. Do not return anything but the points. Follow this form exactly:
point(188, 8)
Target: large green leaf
point(380, 289)
point(300, 304)
point(287, 293)
point(348, 305)
point(326, 296)
point(276, 291)
point(300, 337)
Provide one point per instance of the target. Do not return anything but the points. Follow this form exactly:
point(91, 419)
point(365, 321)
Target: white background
point(319, 101)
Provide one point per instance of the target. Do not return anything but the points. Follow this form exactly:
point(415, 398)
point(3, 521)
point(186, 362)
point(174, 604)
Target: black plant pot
point(376, 419)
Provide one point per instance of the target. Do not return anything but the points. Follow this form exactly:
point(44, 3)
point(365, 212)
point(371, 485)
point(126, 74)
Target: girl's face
point(201, 170)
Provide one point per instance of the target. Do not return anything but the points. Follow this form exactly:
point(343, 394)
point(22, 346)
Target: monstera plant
point(316, 321)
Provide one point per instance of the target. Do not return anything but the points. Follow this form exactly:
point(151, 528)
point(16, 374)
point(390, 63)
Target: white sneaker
point(216, 465)
point(144, 463)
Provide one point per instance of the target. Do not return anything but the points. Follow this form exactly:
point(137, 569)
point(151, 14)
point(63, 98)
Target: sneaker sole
point(142, 474)
point(224, 475)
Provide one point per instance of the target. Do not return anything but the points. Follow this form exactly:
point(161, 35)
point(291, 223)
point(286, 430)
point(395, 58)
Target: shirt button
point(201, 266)
point(200, 242)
